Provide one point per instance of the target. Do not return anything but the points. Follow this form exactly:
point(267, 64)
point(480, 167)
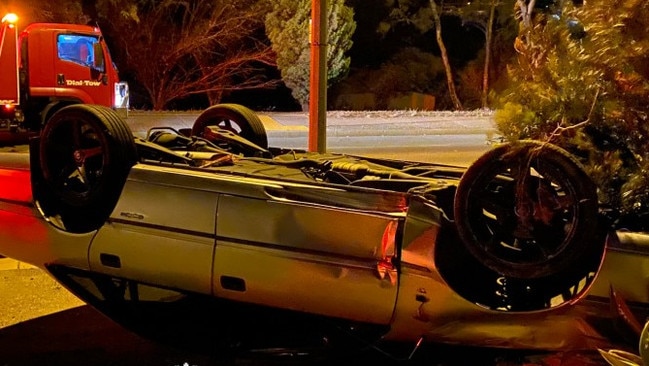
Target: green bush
point(288, 28)
point(525, 121)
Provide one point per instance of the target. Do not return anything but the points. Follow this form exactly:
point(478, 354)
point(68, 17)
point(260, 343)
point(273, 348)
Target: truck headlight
point(121, 103)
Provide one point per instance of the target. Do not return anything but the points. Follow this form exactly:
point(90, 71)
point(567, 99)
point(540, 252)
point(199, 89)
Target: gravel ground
point(27, 293)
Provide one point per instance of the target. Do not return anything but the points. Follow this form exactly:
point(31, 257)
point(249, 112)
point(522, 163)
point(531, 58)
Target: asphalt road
point(454, 138)
point(341, 123)
point(444, 137)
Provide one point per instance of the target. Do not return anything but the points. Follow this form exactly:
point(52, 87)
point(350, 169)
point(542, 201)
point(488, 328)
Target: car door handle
point(110, 260)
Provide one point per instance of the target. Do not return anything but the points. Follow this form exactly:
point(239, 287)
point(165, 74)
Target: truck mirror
point(98, 62)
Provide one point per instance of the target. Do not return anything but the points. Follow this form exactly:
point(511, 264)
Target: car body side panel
point(181, 203)
point(302, 227)
point(428, 308)
point(153, 256)
point(159, 234)
point(275, 252)
point(27, 237)
point(625, 268)
point(25, 234)
point(200, 180)
point(301, 282)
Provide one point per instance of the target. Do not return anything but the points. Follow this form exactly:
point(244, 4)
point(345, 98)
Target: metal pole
point(318, 78)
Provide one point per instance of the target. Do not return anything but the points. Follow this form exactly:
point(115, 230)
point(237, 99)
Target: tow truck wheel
point(526, 210)
point(85, 154)
point(234, 118)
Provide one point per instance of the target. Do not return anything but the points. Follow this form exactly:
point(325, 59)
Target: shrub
point(410, 70)
point(581, 80)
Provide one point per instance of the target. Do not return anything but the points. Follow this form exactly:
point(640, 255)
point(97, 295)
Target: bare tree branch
point(561, 128)
point(178, 48)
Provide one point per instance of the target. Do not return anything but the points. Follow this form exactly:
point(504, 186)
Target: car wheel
point(85, 154)
point(644, 344)
point(526, 210)
point(234, 118)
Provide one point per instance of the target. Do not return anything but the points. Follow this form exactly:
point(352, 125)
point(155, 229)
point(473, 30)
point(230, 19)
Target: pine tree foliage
point(581, 80)
point(287, 27)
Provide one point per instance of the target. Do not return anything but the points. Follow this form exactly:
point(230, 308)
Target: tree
point(288, 27)
point(489, 16)
point(523, 11)
point(442, 47)
point(31, 11)
point(180, 48)
point(424, 16)
point(582, 81)
point(409, 70)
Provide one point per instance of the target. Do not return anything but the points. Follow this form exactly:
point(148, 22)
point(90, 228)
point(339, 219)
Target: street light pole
point(318, 77)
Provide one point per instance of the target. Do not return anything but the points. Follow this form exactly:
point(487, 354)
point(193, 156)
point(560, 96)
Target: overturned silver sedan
point(213, 228)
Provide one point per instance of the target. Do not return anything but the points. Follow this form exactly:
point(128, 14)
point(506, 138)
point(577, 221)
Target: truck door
point(78, 75)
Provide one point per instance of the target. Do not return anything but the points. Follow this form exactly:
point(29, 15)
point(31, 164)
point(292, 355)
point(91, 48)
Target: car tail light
point(385, 267)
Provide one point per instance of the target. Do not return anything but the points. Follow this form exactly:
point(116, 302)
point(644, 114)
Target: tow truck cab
point(48, 66)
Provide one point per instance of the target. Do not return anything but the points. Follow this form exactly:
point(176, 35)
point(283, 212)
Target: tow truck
point(48, 66)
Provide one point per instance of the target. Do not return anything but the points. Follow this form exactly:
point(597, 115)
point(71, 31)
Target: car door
point(324, 260)
point(161, 232)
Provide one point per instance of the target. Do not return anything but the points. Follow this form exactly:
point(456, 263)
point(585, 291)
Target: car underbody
point(212, 228)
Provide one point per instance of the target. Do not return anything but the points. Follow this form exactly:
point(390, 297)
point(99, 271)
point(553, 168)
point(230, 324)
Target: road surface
point(455, 138)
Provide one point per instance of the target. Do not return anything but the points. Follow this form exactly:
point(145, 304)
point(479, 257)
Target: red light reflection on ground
point(15, 185)
point(24, 237)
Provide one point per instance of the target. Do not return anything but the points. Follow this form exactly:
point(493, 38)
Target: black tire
point(234, 118)
point(526, 210)
point(644, 344)
point(85, 155)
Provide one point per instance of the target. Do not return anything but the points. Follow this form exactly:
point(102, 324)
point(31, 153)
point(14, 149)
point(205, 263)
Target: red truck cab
point(48, 66)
